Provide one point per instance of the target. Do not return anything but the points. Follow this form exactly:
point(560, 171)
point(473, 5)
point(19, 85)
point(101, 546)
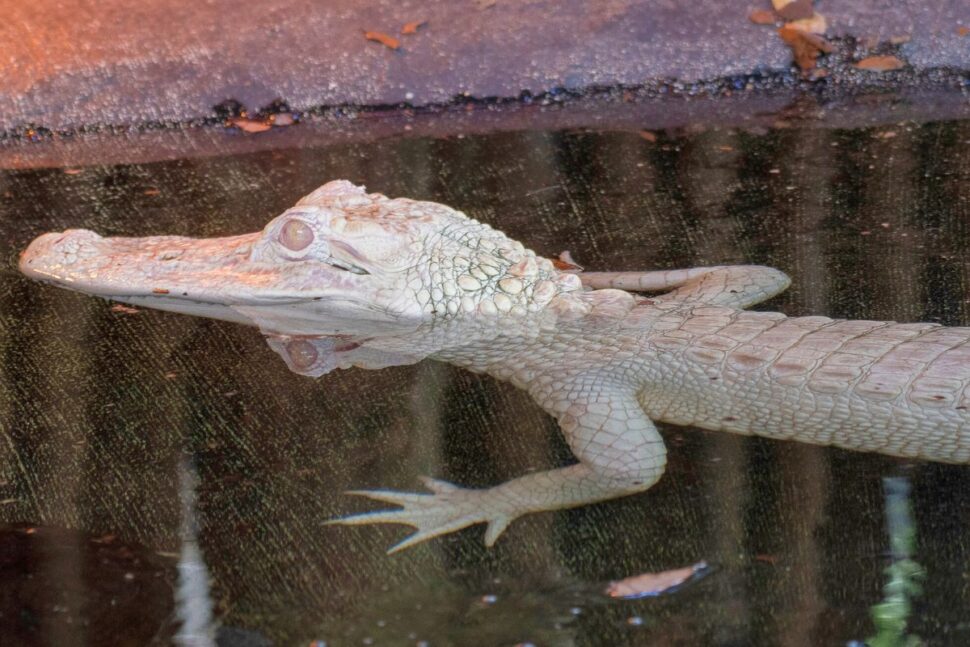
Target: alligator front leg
point(734, 286)
point(619, 452)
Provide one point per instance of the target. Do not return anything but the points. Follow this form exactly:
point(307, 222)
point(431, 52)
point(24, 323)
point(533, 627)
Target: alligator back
point(900, 389)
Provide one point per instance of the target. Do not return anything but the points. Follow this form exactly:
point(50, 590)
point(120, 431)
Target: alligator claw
point(446, 509)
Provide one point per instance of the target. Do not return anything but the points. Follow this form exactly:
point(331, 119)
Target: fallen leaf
point(159, 291)
point(725, 149)
point(763, 17)
point(382, 38)
point(806, 47)
point(171, 375)
point(880, 63)
point(283, 119)
point(889, 134)
point(151, 191)
point(654, 584)
point(413, 27)
point(72, 171)
point(565, 263)
point(814, 25)
point(249, 125)
point(793, 9)
point(123, 309)
point(649, 136)
point(962, 30)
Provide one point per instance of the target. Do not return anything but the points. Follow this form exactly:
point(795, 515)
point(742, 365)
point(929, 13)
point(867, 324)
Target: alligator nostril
point(302, 353)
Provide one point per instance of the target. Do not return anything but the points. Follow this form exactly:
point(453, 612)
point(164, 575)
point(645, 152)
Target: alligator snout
point(54, 251)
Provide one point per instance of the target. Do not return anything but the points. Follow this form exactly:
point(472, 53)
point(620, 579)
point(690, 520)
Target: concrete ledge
point(613, 111)
point(70, 65)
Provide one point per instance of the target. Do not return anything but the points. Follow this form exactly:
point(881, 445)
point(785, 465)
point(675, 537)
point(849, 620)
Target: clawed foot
point(446, 509)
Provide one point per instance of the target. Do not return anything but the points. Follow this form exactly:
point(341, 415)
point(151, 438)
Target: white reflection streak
point(193, 601)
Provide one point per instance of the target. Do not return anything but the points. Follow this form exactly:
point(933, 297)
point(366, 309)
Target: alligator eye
point(296, 235)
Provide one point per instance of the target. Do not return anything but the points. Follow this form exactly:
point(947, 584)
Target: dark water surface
point(131, 443)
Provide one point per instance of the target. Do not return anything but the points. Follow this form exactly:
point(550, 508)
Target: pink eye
point(296, 235)
point(302, 353)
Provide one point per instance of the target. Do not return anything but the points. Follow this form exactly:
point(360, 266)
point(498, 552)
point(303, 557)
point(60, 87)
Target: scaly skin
point(350, 279)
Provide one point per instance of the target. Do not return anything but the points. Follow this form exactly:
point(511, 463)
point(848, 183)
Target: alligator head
point(340, 264)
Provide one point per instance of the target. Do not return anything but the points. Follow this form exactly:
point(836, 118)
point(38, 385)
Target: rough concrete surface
point(67, 64)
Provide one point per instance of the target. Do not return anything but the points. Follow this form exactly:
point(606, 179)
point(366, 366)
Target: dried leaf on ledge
point(763, 17)
point(413, 27)
point(793, 9)
point(380, 37)
point(250, 126)
point(283, 119)
point(807, 47)
point(880, 63)
point(814, 25)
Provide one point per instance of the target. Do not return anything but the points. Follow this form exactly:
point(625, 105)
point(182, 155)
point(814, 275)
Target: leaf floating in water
point(413, 27)
point(654, 584)
point(382, 38)
point(880, 63)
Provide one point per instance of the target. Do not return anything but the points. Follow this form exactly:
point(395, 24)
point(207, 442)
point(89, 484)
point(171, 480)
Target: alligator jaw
point(203, 277)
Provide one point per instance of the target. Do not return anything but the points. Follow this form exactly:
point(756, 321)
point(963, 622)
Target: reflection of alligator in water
point(346, 278)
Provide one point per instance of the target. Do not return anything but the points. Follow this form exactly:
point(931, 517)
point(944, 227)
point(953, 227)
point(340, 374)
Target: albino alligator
point(346, 278)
